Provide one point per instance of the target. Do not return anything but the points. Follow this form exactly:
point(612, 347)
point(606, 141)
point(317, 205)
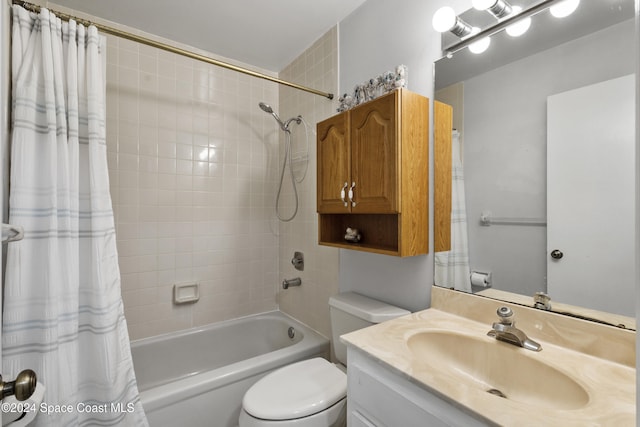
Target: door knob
point(23, 387)
point(556, 254)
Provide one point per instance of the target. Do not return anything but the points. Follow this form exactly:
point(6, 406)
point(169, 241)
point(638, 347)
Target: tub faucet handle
point(298, 261)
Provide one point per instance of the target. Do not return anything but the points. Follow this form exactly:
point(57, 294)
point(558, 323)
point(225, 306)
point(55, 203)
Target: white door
point(590, 196)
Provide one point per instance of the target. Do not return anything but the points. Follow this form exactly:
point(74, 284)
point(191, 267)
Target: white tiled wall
point(317, 67)
point(193, 164)
point(194, 167)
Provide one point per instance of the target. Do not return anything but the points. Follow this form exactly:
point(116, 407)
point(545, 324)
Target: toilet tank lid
point(366, 308)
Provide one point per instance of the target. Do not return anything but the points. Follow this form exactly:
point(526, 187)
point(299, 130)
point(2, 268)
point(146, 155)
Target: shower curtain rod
point(159, 45)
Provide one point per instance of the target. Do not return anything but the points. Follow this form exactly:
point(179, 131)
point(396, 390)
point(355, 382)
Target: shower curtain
point(452, 267)
point(63, 311)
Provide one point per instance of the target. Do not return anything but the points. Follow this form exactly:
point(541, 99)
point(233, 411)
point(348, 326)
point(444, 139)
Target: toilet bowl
point(308, 393)
point(313, 393)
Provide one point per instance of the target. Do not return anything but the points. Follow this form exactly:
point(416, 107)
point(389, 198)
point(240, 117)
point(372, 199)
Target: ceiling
point(265, 34)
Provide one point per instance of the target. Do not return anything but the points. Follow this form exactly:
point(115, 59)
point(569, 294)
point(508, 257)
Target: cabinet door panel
point(374, 156)
point(356, 419)
point(333, 163)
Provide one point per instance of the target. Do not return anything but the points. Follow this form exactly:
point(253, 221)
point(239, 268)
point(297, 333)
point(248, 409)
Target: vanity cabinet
point(373, 175)
point(377, 396)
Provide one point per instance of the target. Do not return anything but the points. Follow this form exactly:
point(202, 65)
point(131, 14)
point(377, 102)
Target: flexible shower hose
point(287, 160)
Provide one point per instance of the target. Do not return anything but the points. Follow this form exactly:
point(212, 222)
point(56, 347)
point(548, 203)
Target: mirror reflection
point(542, 162)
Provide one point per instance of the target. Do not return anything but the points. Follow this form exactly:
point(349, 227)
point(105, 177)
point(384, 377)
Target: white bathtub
point(198, 377)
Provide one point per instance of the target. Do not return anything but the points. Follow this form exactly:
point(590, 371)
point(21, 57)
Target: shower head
point(266, 108)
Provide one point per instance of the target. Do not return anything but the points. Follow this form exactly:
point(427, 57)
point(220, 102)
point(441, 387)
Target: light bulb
point(520, 27)
point(444, 19)
point(481, 45)
point(483, 4)
point(564, 8)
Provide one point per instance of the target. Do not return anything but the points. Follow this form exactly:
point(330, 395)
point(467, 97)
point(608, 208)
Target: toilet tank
point(350, 311)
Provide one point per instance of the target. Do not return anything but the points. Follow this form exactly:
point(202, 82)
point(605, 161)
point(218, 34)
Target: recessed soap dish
point(184, 293)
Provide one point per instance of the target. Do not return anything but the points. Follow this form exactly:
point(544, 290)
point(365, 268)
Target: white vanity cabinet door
point(356, 419)
point(378, 397)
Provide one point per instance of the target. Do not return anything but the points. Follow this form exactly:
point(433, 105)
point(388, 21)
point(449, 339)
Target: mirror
point(542, 121)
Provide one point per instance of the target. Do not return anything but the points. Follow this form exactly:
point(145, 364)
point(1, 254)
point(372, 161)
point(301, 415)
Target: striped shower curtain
point(63, 314)
point(452, 267)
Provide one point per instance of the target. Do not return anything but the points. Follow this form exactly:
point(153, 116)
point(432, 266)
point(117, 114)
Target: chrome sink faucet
point(505, 330)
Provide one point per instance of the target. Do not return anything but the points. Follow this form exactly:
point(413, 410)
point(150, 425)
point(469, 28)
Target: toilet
point(313, 393)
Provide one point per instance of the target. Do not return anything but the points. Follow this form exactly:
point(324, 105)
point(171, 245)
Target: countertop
point(610, 385)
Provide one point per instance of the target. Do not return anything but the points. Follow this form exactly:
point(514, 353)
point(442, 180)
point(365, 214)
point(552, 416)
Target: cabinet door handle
point(353, 202)
point(343, 194)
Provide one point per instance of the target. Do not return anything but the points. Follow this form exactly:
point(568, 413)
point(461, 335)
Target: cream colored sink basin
point(572, 382)
point(502, 369)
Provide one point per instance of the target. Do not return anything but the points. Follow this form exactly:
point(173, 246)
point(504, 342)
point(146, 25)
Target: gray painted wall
point(377, 37)
point(637, 56)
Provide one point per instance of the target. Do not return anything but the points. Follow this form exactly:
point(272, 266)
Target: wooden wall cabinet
point(373, 175)
point(442, 178)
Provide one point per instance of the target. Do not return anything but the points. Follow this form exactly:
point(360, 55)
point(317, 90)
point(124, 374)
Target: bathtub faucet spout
point(291, 282)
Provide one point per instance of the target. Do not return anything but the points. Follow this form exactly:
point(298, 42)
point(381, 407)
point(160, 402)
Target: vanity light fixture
point(520, 27)
point(517, 21)
point(445, 19)
point(498, 8)
point(564, 8)
point(481, 45)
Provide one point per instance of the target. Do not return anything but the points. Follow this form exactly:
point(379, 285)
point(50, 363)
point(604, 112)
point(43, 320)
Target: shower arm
point(285, 125)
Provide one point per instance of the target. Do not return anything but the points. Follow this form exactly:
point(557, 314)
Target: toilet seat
point(296, 391)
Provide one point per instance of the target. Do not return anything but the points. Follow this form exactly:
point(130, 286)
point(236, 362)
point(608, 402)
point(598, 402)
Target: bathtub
point(198, 377)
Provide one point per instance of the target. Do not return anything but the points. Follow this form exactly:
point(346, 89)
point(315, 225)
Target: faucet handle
point(542, 301)
point(506, 315)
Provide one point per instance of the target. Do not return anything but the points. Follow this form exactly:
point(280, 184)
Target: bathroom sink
point(498, 368)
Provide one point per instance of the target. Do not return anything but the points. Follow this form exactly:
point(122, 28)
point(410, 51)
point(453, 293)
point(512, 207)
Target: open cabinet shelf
point(379, 232)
